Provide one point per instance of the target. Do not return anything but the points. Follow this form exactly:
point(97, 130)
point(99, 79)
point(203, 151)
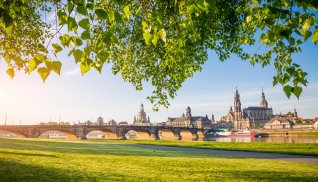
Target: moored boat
point(243, 133)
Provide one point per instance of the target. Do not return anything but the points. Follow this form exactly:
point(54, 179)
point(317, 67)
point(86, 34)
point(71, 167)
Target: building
point(240, 121)
point(229, 117)
point(291, 116)
point(278, 123)
point(100, 121)
point(187, 120)
point(227, 121)
point(259, 115)
point(123, 123)
point(315, 125)
point(141, 118)
point(112, 122)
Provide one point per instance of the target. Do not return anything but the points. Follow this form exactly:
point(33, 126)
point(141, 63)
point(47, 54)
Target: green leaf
point(9, 29)
point(10, 72)
point(118, 16)
point(44, 73)
point(56, 67)
point(98, 66)
point(42, 48)
point(248, 19)
point(306, 25)
point(147, 38)
point(155, 40)
point(287, 90)
point(65, 40)
point(315, 36)
point(78, 42)
point(32, 65)
point(85, 35)
point(71, 23)
point(297, 91)
point(78, 54)
point(84, 23)
point(70, 6)
point(84, 68)
point(81, 10)
point(101, 13)
point(56, 48)
point(107, 37)
point(306, 34)
point(103, 55)
point(211, 4)
point(127, 12)
point(62, 18)
point(162, 34)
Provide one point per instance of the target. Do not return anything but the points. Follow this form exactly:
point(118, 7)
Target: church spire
point(237, 101)
point(263, 101)
point(212, 118)
point(231, 110)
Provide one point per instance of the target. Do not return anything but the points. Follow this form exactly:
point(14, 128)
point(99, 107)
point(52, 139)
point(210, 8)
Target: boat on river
point(227, 133)
point(243, 133)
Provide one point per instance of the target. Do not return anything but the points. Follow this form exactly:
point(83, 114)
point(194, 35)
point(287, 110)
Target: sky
point(73, 97)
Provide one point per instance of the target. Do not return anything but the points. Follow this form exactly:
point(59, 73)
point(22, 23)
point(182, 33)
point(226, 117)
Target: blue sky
point(74, 97)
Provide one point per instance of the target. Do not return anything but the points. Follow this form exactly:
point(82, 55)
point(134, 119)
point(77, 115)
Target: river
point(276, 139)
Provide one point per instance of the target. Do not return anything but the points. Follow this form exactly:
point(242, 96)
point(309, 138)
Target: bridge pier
point(81, 137)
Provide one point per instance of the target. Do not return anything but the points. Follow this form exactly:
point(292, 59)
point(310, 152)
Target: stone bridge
point(109, 131)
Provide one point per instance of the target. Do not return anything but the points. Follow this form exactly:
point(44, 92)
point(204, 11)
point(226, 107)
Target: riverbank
point(65, 160)
point(284, 148)
point(286, 132)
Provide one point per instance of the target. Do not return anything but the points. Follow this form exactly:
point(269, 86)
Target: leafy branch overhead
point(158, 41)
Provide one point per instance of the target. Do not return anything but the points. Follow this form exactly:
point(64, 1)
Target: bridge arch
point(11, 134)
point(166, 134)
point(138, 135)
point(60, 134)
point(187, 135)
point(101, 134)
point(200, 135)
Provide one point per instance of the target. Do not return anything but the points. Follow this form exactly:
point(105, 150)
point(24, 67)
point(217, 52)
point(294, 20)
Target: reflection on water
point(276, 139)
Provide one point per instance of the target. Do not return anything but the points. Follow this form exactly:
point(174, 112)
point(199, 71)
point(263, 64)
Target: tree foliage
point(158, 41)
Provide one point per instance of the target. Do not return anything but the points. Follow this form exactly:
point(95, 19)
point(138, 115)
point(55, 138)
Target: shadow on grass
point(14, 171)
point(26, 154)
point(87, 148)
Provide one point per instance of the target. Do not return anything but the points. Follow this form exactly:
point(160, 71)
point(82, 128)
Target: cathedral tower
point(237, 106)
point(263, 101)
point(188, 113)
point(141, 118)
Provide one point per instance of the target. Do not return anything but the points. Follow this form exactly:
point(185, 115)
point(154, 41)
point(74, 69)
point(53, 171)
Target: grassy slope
point(288, 148)
point(52, 160)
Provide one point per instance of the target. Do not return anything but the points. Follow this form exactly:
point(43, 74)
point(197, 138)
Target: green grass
point(286, 148)
point(62, 160)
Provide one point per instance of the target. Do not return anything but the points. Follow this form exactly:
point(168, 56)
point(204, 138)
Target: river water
point(275, 139)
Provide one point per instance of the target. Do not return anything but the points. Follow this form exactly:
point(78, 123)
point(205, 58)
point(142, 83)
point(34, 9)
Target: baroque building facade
point(141, 118)
point(252, 116)
point(189, 121)
point(292, 116)
point(259, 115)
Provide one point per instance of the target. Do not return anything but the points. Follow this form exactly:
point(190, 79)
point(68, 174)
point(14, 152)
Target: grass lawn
point(287, 148)
point(58, 160)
